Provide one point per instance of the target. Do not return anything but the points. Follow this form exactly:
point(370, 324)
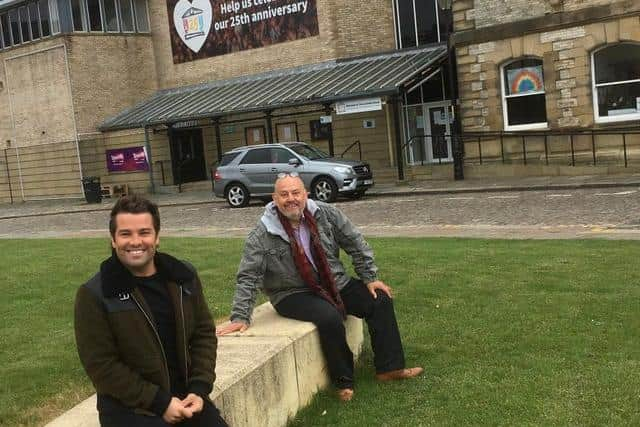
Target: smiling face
point(135, 240)
point(290, 197)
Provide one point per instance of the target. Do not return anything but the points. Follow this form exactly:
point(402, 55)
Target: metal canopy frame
point(385, 74)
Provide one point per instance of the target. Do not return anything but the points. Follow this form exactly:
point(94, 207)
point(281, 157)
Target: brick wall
point(109, 73)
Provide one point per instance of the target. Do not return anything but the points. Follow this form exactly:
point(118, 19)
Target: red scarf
point(326, 287)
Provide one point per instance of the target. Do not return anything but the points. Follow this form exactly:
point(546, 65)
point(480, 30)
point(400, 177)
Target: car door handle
point(242, 170)
point(274, 169)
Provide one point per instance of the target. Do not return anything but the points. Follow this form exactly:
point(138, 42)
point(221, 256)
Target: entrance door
point(187, 156)
point(439, 141)
point(428, 129)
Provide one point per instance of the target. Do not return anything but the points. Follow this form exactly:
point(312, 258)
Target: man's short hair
point(134, 204)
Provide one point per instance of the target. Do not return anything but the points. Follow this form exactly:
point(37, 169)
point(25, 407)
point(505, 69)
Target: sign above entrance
point(325, 119)
point(358, 105)
point(205, 28)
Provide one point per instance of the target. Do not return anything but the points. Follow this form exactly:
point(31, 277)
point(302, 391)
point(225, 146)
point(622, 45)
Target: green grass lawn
point(510, 332)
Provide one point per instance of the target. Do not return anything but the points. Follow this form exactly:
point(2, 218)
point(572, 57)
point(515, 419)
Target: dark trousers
point(381, 322)
point(208, 417)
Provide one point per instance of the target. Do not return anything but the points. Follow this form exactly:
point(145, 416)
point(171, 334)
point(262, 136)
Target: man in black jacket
point(143, 329)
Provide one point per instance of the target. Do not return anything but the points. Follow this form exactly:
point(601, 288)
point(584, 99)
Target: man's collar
point(117, 279)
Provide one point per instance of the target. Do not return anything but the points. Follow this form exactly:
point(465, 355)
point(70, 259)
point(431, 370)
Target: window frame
point(398, 26)
point(504, 97)
point(594, 89)
point(121, 19)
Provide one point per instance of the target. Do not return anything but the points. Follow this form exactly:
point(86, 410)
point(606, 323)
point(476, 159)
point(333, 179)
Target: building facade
point(73, 69)
point(566, 69)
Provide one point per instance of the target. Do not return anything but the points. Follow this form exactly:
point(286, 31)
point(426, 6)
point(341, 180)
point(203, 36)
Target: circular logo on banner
point(192, 21)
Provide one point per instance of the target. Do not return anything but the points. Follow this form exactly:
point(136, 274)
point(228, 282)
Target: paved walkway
point(53, 207)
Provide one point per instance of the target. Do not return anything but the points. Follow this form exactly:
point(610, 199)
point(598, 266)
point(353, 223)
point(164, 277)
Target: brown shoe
point(400, 374)
point(345, 394)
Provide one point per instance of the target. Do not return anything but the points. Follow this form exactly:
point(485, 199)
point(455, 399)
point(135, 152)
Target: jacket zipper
point(184, 340)
point(164, 356)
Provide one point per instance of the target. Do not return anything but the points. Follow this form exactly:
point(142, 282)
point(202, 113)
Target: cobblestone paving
point(580, 213)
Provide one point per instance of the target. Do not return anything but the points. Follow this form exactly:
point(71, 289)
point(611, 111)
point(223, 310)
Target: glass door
point(439, 140)
point(428, 133)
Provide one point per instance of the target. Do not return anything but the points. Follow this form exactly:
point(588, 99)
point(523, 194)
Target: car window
point(260, 155)
point(308, 151)
point(228, 158)
point(280, 155)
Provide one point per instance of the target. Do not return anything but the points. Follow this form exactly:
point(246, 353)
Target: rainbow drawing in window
point(525, 80)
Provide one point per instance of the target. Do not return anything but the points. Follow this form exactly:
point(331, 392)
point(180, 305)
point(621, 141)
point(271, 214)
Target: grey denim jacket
point(267, 262)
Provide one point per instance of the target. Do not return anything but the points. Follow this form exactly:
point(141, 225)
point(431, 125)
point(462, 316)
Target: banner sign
point(358, 105)
point(525, 80)
point(131, 159)
point(204, 28)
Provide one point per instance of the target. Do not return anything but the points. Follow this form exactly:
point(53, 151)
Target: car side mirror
point(295, 162)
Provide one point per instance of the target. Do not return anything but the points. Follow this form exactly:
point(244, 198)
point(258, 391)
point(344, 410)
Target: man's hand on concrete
point(175, 412)
point(232, 327)
point(192, 404)
point(378, 284)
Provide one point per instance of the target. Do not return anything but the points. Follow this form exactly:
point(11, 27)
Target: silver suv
point(247, 172)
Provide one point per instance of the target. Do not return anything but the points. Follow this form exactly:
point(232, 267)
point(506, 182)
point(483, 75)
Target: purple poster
point(131, 159)
point(204, 28)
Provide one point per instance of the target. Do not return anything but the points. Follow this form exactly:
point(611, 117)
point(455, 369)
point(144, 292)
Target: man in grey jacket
point(293, 256)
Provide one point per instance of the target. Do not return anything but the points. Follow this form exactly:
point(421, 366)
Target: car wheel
point(237, 195)
point(325, 190)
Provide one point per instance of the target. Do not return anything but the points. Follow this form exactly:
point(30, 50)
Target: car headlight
point(345, 170)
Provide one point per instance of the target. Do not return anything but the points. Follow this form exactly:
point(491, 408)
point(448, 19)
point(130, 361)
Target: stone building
point(150, 93)
point(560, 68)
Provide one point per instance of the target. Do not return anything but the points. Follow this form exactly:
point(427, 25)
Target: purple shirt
point(303, 237)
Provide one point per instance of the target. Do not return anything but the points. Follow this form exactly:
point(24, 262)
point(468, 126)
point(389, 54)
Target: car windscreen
point(308, 151)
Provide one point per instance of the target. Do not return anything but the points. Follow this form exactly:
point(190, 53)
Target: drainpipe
point(395, 103)
point(147, 146)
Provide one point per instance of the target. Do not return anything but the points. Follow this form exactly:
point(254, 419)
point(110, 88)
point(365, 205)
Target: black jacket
point(118, 343)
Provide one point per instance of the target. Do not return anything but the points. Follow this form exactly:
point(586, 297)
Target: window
point(434, 89)
point(616, 87)
point(6, 30)
point(228, 158)
point(78, 15)
point(25, 24)
point(111, 16)
point(254, 135)
point(261, 155)
point(287, 132)
point(319, 130)
point(142, 21)
point(34, 19)
point(43, 7)
point(420, 22)
point(523, 95)
point(15, 26)
point(126, 16)
point(53, 15)
point(95, 17)
point(280, 155)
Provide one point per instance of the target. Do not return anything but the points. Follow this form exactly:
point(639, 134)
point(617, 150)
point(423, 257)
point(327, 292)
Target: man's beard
point(293, 216)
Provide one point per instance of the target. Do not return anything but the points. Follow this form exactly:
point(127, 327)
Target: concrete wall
point(36, 95)
point(345, 29)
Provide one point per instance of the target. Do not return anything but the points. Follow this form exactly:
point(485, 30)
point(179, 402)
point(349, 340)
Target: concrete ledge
point(264, 375)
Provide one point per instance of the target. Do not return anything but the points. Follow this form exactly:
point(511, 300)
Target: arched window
point(616, 83)
point(523, 95)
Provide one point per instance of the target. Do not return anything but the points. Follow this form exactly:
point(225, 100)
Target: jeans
point(378, 313)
